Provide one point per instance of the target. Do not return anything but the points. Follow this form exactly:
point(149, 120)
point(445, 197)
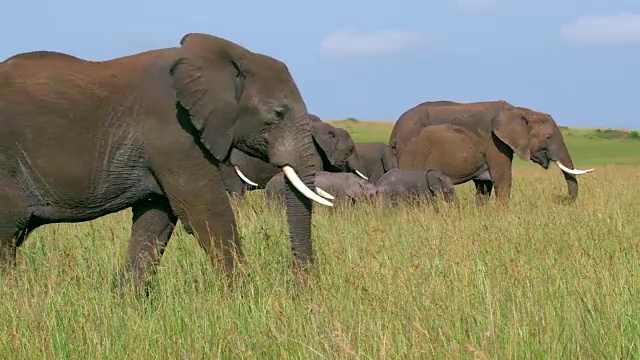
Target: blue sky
point(578, 60)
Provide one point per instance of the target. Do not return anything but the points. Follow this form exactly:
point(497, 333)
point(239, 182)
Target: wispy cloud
point(604, 30)
point(349, 43)
point(476, 6)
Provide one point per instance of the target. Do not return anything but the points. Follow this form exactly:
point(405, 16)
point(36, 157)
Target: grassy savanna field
point(534, 279)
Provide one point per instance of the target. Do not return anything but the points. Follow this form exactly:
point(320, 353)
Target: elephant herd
point(344, 171)
point(171, 133)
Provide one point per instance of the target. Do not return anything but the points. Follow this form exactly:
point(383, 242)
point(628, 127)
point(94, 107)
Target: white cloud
point(613, 29)
point(348, 43)
point(476, 6)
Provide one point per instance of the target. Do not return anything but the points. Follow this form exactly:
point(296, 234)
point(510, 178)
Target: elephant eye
point(279, 112)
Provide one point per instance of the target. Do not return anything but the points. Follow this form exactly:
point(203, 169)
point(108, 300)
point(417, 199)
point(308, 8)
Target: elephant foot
point(564, 200)
point(125, 283)
point(239, 279)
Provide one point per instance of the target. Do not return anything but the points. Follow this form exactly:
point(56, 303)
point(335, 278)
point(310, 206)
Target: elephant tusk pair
point(244, 178)
point(298, 184)
point(572, 171)
point(361, 175)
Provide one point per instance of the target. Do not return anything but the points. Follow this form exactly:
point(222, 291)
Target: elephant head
point(440, 184)
point(535, 136)
point(546, 144)
point(336, 149)
point(234, 98)
point(334, 152)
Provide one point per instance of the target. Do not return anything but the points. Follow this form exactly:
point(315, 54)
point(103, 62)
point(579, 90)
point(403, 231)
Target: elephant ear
point(314, 118)
point(389, 160)
point(435, 181)
point(513, 130)
point(208, 80)
point(327, 139)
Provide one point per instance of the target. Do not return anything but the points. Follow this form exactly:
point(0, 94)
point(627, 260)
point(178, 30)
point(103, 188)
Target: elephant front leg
point(499, 160)
point(216, 231)
point(153, 224)
point(200, 201)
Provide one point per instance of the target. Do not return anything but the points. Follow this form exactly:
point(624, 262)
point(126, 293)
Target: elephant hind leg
point(153, 224)
point(14, 222)
point(483, 191)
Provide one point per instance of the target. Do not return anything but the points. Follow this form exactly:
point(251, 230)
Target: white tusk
point(362, 176)
point(572, 171)
point(324, 194)
point(244, 178)
point(298, 184)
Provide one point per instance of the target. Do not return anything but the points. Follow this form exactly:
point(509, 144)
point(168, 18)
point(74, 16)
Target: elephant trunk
point(559, 153)
point(355, 165)
point(294, 153)
point(299, 210)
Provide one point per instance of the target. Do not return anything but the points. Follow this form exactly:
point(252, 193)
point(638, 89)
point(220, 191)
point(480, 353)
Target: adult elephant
point(479, 142)
point(82, 139)
point(377, 159)
point(335, 149)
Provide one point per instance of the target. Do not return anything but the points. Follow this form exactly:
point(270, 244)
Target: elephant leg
point(499, 160)
point(483, 191)
point(14, 221)
point(198, 197)
point(153, 224)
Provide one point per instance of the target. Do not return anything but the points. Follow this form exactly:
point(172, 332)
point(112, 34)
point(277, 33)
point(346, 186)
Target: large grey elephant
point(81, 139)
point(397, 184)
point(377, 158)
point(335, 149)
point(476, 141)
point(342, 187)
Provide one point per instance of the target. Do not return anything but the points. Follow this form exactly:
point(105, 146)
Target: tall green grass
point(534, 279)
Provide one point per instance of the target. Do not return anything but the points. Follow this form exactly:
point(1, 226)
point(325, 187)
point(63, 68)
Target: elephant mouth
point(541, 158)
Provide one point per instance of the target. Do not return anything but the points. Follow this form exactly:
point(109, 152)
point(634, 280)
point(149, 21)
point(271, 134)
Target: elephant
point(344, 187)
point(398, 183)
point(82, 139)
point(334, 146)
point(410, 123)
point(476, 141)
point(377, 158)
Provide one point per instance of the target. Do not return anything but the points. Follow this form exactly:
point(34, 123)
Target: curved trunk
point(354, 163)
point(559, 151)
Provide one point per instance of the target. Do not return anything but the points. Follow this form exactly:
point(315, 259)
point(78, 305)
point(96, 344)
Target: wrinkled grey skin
point(82, 139)
point(345, 187)
point(377, 158)
point(335, 151)
point(398, 184)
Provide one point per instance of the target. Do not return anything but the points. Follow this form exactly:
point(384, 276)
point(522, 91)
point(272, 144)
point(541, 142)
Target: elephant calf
point(346, 187)
point(400, 183)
